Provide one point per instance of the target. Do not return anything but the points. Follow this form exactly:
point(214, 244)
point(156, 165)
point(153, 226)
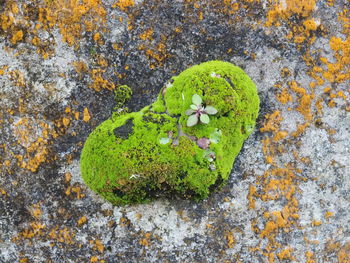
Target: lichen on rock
point(139, 156)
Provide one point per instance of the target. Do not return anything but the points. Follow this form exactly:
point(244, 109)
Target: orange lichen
point(344, 254)
point(328, 215)
point(65, 235)
point(285, 254)
point(287, 8)
point(86, 115)
point(70, 18)
point(80, 67)
point(252, 193)
point(304, 100)
point(280, 135)
point(284, 96)
point(17, 36)
point(3, 70)
point(82, 220)
point(146, 240)
point(35, 211)
point(272, 122)
point(35, 136)
point(97, 245)
point(124, 4)
point(75, 189)
point(99, 82)
point(65, 121)
point(230, 239)
point(338, 71)
point(344, 17)
point(309, 257)
point(17, 78)
point(35, 229)
point(147, 35)
point(304, 33)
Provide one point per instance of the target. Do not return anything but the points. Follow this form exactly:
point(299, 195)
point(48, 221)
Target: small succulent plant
point(198, 112)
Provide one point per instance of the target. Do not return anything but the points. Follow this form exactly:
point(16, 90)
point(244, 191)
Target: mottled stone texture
point(288, 195)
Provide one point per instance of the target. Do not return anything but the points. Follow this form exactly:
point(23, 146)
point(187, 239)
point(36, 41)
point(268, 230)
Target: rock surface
point(288, 195)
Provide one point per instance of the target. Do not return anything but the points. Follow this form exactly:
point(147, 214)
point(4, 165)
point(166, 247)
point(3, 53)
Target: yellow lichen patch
point(280, 135)
point(35, 229)
point(97, 245)
point(82, 220)
point(147, 35)
point(284, 96)
point(344, 254)
point(3, 70)
point(300, 129)
point(285, 254)
point(302, 34)
point(344, 17)
point(278, 184)
point(304, 100)
point(73, 18)
point(283, 9)
point(35, 211)
point(10, 24)
point(316, 223)
point(86, 115)
point(35, 136)
point(251, 195)
point(145, 241)
point(17, 36)
point(230, 239)
point(99, 82)
point(124, 4)
point(64, 235)
point(65, 121)
point(338, 71)
point(17, 77)
point(328, 215)
point(75, 189)
point(155, 51)
point(80, 67)
point(67, 177)
point(95, 259)
point(310, 258)
point(272, 122)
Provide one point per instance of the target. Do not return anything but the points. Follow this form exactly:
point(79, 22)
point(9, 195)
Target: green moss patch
point(139, 156)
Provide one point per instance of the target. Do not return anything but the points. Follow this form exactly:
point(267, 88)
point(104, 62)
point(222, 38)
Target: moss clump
point(138, 156)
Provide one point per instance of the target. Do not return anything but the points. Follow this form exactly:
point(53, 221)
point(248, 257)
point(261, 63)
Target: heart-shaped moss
point(135, 157)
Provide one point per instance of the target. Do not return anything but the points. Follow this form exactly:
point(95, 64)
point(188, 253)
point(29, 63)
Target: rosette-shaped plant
point(198, 112)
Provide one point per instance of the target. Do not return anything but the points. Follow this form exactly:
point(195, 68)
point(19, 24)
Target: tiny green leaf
point(204, 118)
point(210, 110)
point(196, 99)
point(189, 112)
point(164, 140)
point(193, 107)
point(215, 136)
point(192, 120)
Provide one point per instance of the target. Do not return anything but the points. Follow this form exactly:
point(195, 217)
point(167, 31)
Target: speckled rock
point(61, 64)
